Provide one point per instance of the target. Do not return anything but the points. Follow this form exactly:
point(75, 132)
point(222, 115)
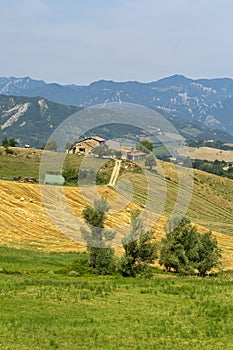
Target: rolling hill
point(25, 223)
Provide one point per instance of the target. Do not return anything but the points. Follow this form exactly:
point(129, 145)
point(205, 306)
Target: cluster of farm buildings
point(87, 145)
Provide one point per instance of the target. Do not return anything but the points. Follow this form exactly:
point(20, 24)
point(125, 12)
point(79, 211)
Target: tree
point(98, 238)
point(51, 146)
point(208, 253)
point(184, 250)
point(150, 162)
point(5, 142)
point(9, 142)
point(68, 145)
point(99, 151)
point(140, 250)
point(172, 253)
point(118, 154)
point(70, 173)
point(144, 146)
point(12, 142)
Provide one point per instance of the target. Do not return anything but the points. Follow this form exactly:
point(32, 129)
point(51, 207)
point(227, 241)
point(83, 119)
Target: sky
point(81, 41)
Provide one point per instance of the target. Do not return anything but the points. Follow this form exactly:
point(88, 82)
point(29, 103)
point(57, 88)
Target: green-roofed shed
point(54, 179)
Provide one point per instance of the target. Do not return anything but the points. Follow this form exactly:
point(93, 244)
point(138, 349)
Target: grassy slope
point(26, 224)
point(44, 308)
point(24, 162)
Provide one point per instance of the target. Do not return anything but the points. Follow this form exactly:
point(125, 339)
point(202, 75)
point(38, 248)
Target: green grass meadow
point(45, 305)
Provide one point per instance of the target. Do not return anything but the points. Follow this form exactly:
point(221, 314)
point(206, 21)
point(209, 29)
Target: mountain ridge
point(204, 102)
point(31, 120)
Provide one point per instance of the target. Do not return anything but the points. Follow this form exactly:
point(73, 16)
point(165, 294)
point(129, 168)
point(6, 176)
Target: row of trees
point(212, 144)
point(184, 250)
point(220, 168)
point(9, 142)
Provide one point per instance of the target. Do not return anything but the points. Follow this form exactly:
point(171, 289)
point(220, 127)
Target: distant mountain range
point(31, 120)
point(205, 104)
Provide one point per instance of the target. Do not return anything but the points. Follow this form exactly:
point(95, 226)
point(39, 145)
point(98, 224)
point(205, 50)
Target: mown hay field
point(25, 222)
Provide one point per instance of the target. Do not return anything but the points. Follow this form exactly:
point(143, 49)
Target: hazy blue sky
point(80, 41)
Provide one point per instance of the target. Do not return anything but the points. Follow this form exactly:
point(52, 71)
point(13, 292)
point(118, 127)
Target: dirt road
point(115, 173)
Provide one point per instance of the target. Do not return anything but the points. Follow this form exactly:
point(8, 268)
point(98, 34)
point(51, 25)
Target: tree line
point(212, 144)
point(183, 250)
point(220, 168)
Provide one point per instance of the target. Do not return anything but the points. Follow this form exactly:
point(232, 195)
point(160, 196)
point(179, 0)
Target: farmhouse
point(86, 145)
point(136, 155)
point(125, 150)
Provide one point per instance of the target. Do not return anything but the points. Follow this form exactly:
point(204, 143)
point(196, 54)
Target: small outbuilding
point(136, 155)
point(54, 179)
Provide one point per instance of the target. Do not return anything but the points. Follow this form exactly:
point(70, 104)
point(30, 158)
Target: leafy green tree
point(150, 162)
point(140, 249)
point(9, 142)
point(12, 142)
point(68, 145)
point(70, 173)
point(172, 253)
point(230, 169)
point(118, 154)
point(51, 146)
point(99, 151)
point(208, 253)
point(98, 238)
point(5, 142)
point(144, 146)
point(184, 250)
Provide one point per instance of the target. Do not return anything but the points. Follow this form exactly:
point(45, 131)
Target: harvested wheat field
point(25, 223)
point(211, 154)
